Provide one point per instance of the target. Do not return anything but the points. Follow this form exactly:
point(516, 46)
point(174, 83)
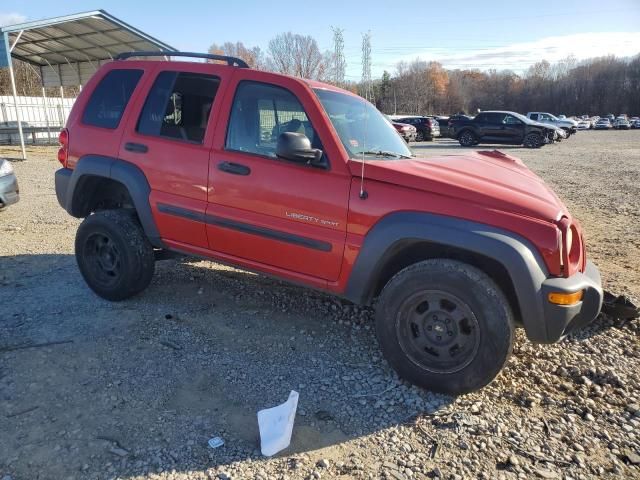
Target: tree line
point(595, 86)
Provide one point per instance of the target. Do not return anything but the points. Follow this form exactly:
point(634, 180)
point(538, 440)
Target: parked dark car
point(9, 192)
point(427, 128)
point(502, 127)
point(446, 122)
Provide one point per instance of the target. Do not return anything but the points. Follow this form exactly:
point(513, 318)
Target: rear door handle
point(136, 147)
point(234, 168)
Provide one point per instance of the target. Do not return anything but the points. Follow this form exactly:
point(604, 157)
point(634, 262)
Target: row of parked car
point(504, 127)
point(622, 122)
point(533, 130)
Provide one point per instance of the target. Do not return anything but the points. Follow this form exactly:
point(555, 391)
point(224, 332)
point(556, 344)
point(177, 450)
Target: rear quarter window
point(110, 98)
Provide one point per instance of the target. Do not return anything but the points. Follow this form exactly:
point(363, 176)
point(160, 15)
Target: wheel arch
point(466, 129)
point(109, 180)
point(402, 239)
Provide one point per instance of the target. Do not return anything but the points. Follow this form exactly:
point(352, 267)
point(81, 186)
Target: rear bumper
point(9, 191)
point(561, 320)
point(62, 179)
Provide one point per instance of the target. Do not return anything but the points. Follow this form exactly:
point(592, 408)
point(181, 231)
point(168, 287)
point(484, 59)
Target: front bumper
point(9, 191)
point(560, 320)
point(409, 136)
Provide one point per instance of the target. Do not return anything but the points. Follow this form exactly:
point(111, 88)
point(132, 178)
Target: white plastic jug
point(276, 425)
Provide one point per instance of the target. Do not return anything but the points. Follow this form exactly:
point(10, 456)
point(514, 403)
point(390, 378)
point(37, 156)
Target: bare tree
point(298, 55)
point(253, 56)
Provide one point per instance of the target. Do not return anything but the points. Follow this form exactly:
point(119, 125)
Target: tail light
point(63, 151)
point(429, 124)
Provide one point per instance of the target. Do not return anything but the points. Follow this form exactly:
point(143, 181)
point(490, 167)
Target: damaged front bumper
point(561, 320)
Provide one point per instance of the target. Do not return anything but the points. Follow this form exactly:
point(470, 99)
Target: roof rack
point(231, 61)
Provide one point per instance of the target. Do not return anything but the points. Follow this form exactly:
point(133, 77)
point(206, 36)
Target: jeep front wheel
point(445, 326)
point(113, 254)
point(467, 139)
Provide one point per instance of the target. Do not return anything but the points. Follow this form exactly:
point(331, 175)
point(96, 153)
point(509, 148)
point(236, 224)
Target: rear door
point(268, 211)
point(169, 137)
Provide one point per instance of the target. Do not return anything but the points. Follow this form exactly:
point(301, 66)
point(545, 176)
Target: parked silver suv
point(9, 192)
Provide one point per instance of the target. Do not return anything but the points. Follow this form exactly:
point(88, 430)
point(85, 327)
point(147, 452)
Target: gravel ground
point(135, 389)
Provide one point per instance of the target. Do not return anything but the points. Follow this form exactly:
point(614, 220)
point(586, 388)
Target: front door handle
point(234, 168)
point(136, 147)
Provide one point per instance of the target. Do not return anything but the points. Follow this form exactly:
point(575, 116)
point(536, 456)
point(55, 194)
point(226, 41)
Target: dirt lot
point(135, 389)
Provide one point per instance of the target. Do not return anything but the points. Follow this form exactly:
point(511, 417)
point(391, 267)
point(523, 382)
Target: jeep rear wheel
point(533, 140)
point(467, 139)
point(445, 326)
point(113, 254)
point(419, 136)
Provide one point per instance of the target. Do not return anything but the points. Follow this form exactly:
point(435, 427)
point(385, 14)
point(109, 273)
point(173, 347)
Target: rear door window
point(110, 98)
point(178, 106)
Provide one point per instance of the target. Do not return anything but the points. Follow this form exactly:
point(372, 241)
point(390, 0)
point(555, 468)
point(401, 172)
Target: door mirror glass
point(296, 147)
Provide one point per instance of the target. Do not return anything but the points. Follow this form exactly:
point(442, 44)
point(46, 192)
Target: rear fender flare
point(124, 172)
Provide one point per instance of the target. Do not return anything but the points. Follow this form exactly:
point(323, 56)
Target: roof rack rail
point(231, 61)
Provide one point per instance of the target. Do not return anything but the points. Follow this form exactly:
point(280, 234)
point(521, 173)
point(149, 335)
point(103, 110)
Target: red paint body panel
point(306, 202)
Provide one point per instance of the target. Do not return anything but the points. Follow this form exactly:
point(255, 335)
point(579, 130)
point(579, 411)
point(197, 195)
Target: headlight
point(569, 240)
point(5, 168)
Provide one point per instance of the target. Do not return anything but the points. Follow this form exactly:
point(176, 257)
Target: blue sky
point(473, 34)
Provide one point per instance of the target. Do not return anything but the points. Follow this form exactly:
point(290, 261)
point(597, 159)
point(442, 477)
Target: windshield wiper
point(383, 153)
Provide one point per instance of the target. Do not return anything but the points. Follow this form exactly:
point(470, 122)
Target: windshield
point(520, 117)
point(362, 129)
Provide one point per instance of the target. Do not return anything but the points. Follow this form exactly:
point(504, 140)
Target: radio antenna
point(368, 96)
point(363, 193)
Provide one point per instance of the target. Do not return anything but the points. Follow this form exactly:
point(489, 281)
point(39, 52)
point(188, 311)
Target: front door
point(270, 211)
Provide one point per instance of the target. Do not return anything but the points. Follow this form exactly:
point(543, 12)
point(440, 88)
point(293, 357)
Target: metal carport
point(67, 50)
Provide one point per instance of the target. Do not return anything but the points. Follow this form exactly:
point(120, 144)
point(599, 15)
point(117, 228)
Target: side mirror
point(296, 147)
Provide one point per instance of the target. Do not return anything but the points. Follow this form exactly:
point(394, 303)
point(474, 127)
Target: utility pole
point(340, 64)
point(366, 67)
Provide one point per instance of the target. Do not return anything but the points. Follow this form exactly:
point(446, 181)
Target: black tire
point(113, 254)
point(467, 139)
point(419, 136)
point(467, 308)
point(533, 140)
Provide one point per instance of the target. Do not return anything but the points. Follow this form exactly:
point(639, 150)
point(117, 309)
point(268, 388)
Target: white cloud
point(11, 18)
point(519, 56)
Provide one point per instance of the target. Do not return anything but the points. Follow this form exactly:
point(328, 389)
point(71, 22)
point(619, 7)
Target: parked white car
point(584, 125)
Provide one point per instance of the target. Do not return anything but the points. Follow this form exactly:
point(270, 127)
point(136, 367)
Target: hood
point(489, 178)
point(568, 122)
point(548, 126)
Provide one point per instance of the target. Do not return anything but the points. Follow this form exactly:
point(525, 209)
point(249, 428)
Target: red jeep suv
point(310, 183)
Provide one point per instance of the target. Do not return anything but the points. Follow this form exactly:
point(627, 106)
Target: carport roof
point(81, 37)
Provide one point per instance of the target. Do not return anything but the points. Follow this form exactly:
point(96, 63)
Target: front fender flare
point(517, 255)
